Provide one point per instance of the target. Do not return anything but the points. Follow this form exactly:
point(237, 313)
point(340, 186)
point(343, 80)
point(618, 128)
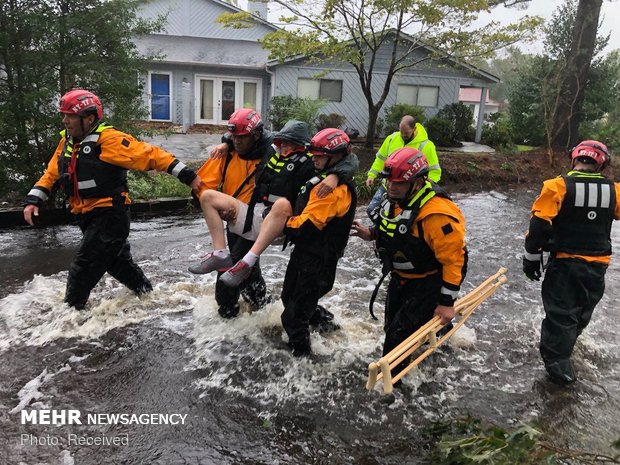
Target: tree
point(533, 88)
point(572, 89)
point(355, 31)
point(50, 46)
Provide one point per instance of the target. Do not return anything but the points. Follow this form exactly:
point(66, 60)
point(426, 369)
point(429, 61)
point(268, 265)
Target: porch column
point(483, 95)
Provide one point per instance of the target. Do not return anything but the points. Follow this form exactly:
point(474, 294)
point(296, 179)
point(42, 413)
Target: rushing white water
point(490, 368)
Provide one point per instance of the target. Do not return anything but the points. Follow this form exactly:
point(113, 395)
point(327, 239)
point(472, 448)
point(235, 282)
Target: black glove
point(532, 269)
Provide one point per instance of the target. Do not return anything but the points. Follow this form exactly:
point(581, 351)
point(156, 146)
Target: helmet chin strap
point(90, 129)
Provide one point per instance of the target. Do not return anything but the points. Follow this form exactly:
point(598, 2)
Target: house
point(431, 85)
point(209, 70)
point(470, 96)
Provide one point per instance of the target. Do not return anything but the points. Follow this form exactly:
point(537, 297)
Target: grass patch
point(154, 185)
point(525, 148)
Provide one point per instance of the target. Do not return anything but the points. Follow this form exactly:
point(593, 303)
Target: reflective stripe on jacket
point(426, 237)
point(121, 150)
point(420, 141)
point(572, 217)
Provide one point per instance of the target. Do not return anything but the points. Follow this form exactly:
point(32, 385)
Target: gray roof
point(473, 69)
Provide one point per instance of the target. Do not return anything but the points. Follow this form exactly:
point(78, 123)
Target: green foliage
point(440, 132)
point(493, 445)
point(528, 96)
point(333, 120)
point(358, 33)
point(286, 107)
point(470, 441)
point(364, 193)
point(154, 185)
point(47, 48)
point(606, 129)
point(395, 113)
point(451, 125)
point(498, 133)
point(461, 117)
point(380, 127)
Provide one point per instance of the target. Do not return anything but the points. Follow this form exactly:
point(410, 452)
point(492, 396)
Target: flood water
point(246, 399)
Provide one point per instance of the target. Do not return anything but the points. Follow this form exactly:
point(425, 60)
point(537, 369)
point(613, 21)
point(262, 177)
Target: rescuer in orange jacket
point(319, 229)
point(276, 176)
point(90, 164)
point(419, 237)
point(246, 147)
point(572, 219)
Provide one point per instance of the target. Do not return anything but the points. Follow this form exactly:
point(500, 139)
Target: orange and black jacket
point(93, 171)
point(322, 225)
point(423, 236)
point(572, 218)
point(236, 175)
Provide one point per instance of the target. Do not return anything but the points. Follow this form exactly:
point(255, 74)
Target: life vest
point(397, 248)
point(278, 178)
point(337, 230)
point(583, 224)
point(83, 174)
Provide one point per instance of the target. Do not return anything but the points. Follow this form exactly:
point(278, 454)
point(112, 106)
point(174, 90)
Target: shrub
point(286, 107)
point(152, 185)
point(395, 113)
point(440, 132)
point(380, 127)
point(333, 120)
point(498, 133)
point(606, 130)
point(461, 118)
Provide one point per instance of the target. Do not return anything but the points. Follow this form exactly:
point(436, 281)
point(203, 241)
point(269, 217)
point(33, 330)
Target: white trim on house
point(150, 95)
point(218, 100)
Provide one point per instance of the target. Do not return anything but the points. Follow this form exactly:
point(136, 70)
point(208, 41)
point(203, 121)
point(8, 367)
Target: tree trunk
point(373, 112)
point(567, 116)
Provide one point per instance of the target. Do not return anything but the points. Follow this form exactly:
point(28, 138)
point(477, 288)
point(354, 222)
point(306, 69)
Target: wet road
point(246, 399)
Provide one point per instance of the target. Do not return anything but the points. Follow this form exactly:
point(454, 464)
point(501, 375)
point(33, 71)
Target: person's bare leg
point(211, 203)
point(272, 226)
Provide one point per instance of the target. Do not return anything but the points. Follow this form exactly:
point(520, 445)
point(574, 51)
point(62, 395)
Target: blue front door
point(160, 96)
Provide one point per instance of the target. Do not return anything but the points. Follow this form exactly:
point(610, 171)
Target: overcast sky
point(610, 13)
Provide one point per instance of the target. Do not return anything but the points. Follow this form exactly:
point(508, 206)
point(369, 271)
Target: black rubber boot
point(323, 320)
point(228, 312)
point(301, 348)
point(561, 372)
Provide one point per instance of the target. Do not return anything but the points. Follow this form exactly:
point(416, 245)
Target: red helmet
point(593, 149)
point(244, 121)
point(80, 102)
point(405, 165)
point(330, 142)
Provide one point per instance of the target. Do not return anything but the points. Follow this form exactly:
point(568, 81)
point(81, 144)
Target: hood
point(296, 132)
point(420, 134)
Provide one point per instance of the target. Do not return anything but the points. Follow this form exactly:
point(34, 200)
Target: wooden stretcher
point(463, 307)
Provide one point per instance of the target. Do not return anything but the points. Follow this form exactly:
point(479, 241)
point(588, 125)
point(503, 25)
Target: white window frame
point(417, 93)
point(217, 95)
point(150, 95)
point(318, 88)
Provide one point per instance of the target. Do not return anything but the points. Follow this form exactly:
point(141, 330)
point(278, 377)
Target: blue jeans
point(375, 202)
